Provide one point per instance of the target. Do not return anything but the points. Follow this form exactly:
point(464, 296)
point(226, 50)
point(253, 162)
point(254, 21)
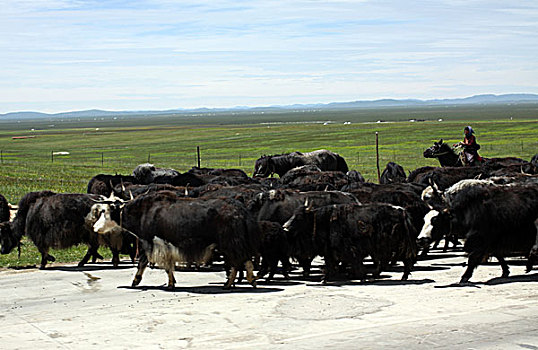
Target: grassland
point(117, 145)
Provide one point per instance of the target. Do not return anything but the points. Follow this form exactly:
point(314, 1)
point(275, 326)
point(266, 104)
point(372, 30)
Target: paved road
point(94, 308)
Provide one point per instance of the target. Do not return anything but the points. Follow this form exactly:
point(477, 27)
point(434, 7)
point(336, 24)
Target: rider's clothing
point(470, 149)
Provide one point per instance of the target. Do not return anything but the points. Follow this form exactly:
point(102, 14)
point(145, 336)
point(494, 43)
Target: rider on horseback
point(470, 147)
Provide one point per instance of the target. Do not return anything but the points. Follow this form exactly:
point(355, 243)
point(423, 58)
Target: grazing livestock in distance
point(174, 229)
point(348, 233)
point(280, 164)
point(393, 173)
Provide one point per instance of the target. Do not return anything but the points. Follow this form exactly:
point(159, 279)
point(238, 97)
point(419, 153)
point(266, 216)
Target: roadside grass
point(118, 146)
point(30, 256)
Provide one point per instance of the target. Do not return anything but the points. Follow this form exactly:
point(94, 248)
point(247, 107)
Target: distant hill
point(488, 99)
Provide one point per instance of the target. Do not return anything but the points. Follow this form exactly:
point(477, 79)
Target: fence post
point(239, 160)
point(2, 157)
point(52, 156)
point(102, 159)
point(149, 157)
point(198, 155)
point(377, 156)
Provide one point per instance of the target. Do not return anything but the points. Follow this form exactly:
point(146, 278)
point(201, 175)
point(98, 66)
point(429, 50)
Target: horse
point(444, 153)
point(280, 164)
point(447, 156)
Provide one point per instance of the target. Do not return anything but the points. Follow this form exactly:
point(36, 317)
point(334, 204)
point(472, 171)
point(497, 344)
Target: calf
point(274, 248)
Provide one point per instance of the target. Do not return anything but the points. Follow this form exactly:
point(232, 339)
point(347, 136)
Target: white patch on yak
point(451, 192)
point(427, 193)
point(460, 185)
point(104, 224)
point(272, 194)
point(427, 229)
point(165, 254)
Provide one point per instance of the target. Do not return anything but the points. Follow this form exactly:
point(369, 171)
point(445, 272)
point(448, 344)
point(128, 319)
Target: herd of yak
point(316, 207)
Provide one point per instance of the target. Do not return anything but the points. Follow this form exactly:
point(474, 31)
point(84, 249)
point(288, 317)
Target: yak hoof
point(464, 281)
point(51, 258)
point(228, 286)
point(80, 264)
point(136, 281)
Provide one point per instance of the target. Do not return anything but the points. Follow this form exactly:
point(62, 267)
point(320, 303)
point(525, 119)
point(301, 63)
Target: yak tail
point(411, 248)
point(341, 164)
point(26, 202)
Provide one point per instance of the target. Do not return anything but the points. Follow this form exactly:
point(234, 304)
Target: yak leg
point(92, 251)
point(330, 263)
point(45, 257)
point(250, 273)
point(286, 267)
point(475, 258)
point(273, 266)
point(425, 251)
point(263, 269)
point(357, 268)
point(142, 264)
point(171, 279)
point(504, 266)
point(95, 256)
point(305, 263)
point(231, 278)
point(408, 264)
point(115, 257)
point(445, 247)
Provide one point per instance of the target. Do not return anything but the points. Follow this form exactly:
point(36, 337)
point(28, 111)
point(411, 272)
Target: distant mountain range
point(489, 99)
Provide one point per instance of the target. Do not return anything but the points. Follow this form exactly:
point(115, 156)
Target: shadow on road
point(206, 289)
point(513, 279)
point(89, 268)
point(459, 285)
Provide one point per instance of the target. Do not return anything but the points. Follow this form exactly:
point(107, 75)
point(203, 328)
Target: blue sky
point(63, 55)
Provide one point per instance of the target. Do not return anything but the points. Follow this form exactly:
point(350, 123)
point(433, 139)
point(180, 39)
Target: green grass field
point(117, 145)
